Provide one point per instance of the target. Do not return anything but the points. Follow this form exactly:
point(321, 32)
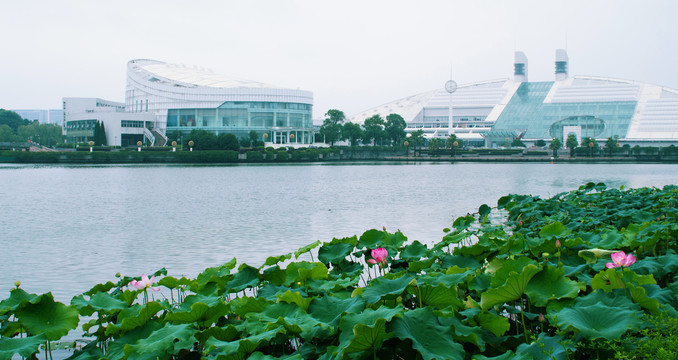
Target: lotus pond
point(591, 273)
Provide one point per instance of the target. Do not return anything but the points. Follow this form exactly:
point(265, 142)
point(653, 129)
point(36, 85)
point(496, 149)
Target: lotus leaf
point(205, 310)
point(498, 325)
point(512, 289)
point(334, 253)
point(53, 319)
point(555, 229)
point(551, 284)
point(294, 297)
point(241, 348)
point(547, 347)
point(101, 302)
point(383, 286)
point(414, 251)
point(439, 296)
point(135, 316)
point(17, 299)
point(306, 249)
point(165, 341)
point(274, 260)
point(366, 337)
point(303, 271)
point(246, 277)
point(25, 347)
point(432, 340)
point(247, 304)
point(598, 321)
point(329, 309)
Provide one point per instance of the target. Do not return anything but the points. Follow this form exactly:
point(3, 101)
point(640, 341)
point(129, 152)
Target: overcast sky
point(353, 55)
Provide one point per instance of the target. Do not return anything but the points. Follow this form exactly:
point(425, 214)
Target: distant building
point(493, 113)
point(51, 116)
point(162, 99)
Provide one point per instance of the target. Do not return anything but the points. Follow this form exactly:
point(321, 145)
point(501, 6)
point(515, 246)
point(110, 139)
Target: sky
point(353, 55)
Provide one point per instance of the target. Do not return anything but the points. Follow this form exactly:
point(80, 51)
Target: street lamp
point(91, 143)
point(407, 149)
point(190, 144)
point(292, 137)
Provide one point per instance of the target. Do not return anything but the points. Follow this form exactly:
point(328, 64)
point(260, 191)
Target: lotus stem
point(522, 319)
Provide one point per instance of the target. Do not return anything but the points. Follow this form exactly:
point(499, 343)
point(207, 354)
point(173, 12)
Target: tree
point(436, 144)
point(331, 127)
point(227, 142)
point(452, 143)
point(416, 138)
point(7, 135)
point(203, 140)
point(555, 145)
point(571, 143)
point(351, 132)
point(12, 119)
point(254, 136)
point(99, 134)
point(395, 128)
point(47, 134)
point(517, 143)
point(611, 144)
point(589, 143)
point(540, 143)
point(373, 129)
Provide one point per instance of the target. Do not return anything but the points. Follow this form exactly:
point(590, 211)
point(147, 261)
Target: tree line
point(374, 131)
point(13, 128)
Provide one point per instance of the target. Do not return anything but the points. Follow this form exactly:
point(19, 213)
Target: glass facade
point(80, 130)
point(274, 121)
point(526, 111)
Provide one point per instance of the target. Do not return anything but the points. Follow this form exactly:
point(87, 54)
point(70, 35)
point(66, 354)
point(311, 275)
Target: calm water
point(66, 228)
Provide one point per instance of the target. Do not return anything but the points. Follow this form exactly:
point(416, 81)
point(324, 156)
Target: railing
point(149, 135)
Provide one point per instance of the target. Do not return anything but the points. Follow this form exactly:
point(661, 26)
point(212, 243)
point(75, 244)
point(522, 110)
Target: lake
point(67, 228)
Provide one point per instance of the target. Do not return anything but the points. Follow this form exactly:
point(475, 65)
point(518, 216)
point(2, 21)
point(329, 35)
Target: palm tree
point(555, 146)
point(571, 143)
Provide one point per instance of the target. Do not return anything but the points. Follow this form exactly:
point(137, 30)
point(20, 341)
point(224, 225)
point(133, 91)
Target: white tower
point(520, 67)
point(562, 64)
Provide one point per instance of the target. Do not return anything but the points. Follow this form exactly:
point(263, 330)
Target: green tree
point(415, 139)
point(351, 132)
point(540, 143)
point(395, 128)
point(254, 136)
point(571, 143)
point(12, 119)
point(227, 142)
point(435, 145)
point(373, 130)
point(331, 127)
point(452, 144)
point(203, 140)
point(47, 134)
point(555, 145)
point(611, 144)
point(517, 143)
point(7, 135)
point(589, 143)
point(99, 134)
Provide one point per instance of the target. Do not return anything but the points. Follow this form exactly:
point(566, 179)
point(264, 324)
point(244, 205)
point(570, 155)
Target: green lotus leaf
point(302, 271)
point(173, 283)
point(306, 249)
point(550, 284)
point(414, 251)
point(432, 340)
point(462, 333)
point(556, 229)
point(17, 299)
point(484, 210)
point(639, 296)
point(134, 316)
point(246, 277)
point(102, 287)
point(213, 273)
point(383, 286)
point(502, 269)
point(597, 321)
point(101, 302)
point(512, 289)
point(509, 355)
point(294, 297)
point(329, 309)
point(368, 317)
point(274, 275)
point(419, 266)
point(274, 260)
point(498, 325)
point(260, 356)
point(367, 337)
point(238, 349)
point(25, 347)
point(165, 341)
point(439, 296)
point(228, 333)
point(547, 347)
point(53, 319)
point(334, 253)
point(289, 316)
point(460, 261)
point(612, 279)
point(592, 255)
point(115, 348)
point(335, 285)
point(247, 304)
point(205, 310)
point(90, 352)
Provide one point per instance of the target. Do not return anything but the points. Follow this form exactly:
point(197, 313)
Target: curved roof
point(182, 75)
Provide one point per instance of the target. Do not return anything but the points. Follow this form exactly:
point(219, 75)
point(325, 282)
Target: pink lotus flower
point(558, 243)
point(621, 259)
point(378, 256)
point(144, 283)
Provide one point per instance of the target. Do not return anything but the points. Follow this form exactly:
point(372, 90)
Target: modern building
point(167, 99)
point(493, 113)
point(43, 116)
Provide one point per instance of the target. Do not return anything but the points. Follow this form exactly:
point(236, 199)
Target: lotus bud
point(545, 254)
point(558, 244)
point(541, 318)
point(520, 223)
point(17, 284)
point(117, 274)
